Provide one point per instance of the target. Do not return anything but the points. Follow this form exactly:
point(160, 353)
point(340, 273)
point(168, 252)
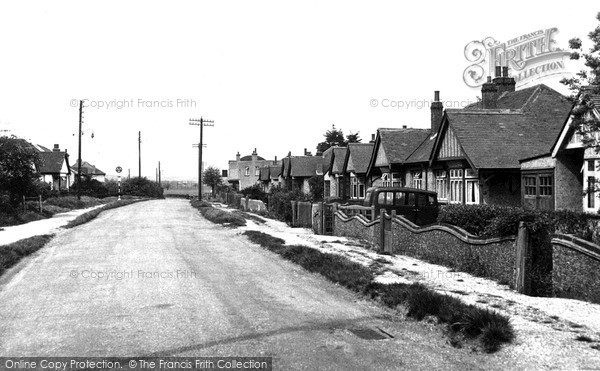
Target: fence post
point(381, 230)
point(40, 203)
point(523, 261)
point(294, 209)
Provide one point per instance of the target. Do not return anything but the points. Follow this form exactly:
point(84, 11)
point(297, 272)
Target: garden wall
point(575, 268)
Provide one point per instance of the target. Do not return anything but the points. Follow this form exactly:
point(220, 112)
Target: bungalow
point(356, 163)
point(88, 171)
point(566, 176)
point(297, 170)
point(269, 176)
point(475, 157)
point(54, 167)
point(333, 172)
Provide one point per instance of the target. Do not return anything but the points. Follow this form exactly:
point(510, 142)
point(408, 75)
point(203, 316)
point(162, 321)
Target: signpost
point(118, 170)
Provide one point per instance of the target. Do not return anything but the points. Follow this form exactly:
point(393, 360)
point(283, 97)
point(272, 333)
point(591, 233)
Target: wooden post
point(523, 261)
point(294, 213)
point(381, 230)
point(40, 203)
point(322, 214)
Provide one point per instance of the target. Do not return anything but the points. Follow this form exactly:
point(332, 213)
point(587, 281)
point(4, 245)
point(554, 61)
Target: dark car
point(417, 205)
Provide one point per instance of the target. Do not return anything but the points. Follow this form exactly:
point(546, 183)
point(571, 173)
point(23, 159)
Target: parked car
point(419, 206)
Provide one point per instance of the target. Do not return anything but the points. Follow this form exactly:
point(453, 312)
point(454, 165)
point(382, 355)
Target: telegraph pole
point(79, 151)
point(202, 122)
point(139, 154)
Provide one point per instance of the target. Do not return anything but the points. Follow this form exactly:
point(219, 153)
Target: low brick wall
point(442, 244)
point(454, 247)
point(356, 227)
point(575, 268)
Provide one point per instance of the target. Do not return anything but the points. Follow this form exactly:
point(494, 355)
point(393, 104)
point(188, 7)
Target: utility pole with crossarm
point(200, 122)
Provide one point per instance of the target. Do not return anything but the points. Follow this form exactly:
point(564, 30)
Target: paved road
point(181, 286)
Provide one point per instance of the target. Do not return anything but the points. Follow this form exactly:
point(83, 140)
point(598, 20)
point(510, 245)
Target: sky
point(272, 75)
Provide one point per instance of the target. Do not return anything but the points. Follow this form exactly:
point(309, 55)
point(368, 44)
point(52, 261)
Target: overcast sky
point(272, 75)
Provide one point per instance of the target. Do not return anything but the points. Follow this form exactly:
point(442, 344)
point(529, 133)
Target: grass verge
point(490, 328)
point(11, 254)
point(92, 214)
point(218, 216)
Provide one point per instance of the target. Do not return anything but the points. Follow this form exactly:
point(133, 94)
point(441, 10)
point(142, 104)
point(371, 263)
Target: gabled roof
point(400, 143)
point(423, 153)
point(275, 171)
point(327, 156)
point(52, 162)
point(306, 166)
point(358, 157)
point(264, 174)
point(285, 167)
point(526, 125)
point(337, 160)
point(87, 168)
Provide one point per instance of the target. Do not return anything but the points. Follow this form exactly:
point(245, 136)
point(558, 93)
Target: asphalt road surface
point(156, 279)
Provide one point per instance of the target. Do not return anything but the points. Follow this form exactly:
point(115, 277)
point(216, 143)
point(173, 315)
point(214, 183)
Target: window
point(411, 199)
point(591, 165)
point(472, 184)
point(389, 198)
point(591, 194)
point(385, 178)
point(530, 186)
point(247, 172)
point(545, 187)
point(400, 199)
point(381, 198)
point(257, 171)
point(417, 179)
point(396, 180)
point(441, 184)
point(456, 185)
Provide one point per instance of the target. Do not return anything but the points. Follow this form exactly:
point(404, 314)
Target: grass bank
point(92, 214)
point(12, 253)
point(218, 216)
point(463, 322)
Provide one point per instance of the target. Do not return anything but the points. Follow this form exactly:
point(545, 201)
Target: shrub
point(254, 192)
point(222, 217)
point(71, 202)
point(280, 203)
point(142, 187)
point(90, 187)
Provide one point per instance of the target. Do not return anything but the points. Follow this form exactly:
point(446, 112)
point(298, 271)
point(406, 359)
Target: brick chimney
point(275, 161)
point(437, 110)
point(489, 93)
point(504, 83)
point(237, 156)
point(372, 138)
point(254, 155)
point(56, 148)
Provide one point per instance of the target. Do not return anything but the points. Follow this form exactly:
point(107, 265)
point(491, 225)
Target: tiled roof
point(499, 138)
point(51, 162)
point(327, 159)
point(422, 153)
point(400, 143)
point(275, 171)
point(306, 166)
point(87, 168)
point(339, 156)
point(264, 175)
point(361, 156)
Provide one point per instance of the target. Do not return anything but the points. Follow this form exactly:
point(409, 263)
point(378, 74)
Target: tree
point(584, 86)
point(17, 171)
point(317, 187)
point(333, 137)
point(212, 178)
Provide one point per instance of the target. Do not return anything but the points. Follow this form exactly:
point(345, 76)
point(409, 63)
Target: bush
point(142, 187)
point(90, 187)
point(71, 202)
point(280, 203)
point(254, 192)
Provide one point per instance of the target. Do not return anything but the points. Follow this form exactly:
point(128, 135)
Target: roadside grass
point(218, 216)
point(71, 202)
point(11, 254)
point(490, 328)
point(92, 214)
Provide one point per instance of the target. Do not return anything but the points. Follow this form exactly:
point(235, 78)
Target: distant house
point(566, 176)
point(88, 171)
point(338, 183)
point(269, 176)
point(475, 157)
point(54, 167)
point(244, 172)
point(296, 171)
point(356, 164)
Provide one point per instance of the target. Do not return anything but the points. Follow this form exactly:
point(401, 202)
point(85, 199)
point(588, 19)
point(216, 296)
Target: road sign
point(119, 169)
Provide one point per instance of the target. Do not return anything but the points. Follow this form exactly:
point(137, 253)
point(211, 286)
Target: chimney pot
point(489, 79)
point(436, 95)
point(498, 71)
point(403, 126)
point(437, 112)
point(56, 148)
point(505, 71)
point(372, 136)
